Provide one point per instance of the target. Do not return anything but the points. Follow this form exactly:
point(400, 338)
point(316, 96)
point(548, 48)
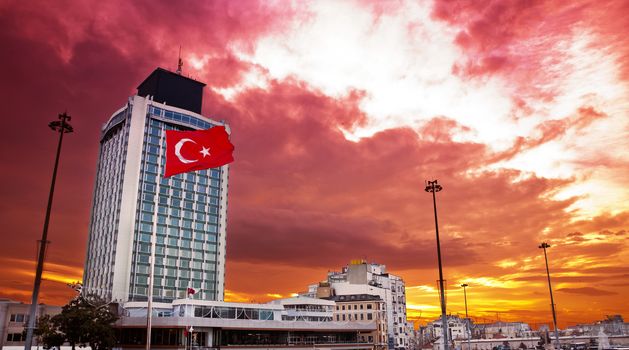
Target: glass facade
point(233, 313)
point(187, 218)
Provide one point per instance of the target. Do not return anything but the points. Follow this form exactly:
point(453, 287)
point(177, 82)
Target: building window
point(15, 337)
point(369, 316)
point(18, 318)
point(368, 306)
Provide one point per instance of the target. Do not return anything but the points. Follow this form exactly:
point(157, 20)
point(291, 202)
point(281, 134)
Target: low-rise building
point(458, 328)
point(215, 324)
point(14, 318)
point(611, 325)
point(498, 330)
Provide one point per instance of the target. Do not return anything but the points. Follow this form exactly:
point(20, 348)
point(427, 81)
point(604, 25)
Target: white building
point(502, 329)
point(360, 277)
point(132, 201)
point(458, 328)
point(611, 325)
point(306, 309)
point(215, 324)
point(13, 320)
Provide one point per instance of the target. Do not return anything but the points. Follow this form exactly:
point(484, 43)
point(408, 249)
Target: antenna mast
point(179, 62)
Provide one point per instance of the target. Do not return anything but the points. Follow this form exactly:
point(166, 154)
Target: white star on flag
point(205, 151)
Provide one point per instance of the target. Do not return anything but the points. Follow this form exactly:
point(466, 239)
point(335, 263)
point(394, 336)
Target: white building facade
point(305, 309)
point(13, 321)
point(132, 202)
point(458, 328)
point(360, 277)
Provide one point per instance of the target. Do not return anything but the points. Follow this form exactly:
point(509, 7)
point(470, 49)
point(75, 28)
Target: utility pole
point(62, 127)
point(545, 245)
point(469, 324)
point(433, 187)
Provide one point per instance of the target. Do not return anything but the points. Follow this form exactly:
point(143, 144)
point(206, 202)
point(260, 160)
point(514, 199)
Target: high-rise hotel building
point(131, 193)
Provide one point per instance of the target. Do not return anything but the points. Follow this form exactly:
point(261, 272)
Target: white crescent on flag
point(178, 151)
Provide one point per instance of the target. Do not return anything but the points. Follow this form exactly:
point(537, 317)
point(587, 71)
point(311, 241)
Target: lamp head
point(433, 186)
point(62, 124)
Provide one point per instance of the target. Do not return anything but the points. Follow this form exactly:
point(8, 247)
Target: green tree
point(85, 320)
point(99, 332)
point(47, 333)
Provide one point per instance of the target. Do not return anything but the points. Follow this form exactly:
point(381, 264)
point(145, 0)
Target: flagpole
point(149, 305)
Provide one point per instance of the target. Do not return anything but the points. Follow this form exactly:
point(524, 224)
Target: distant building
point(611, 325)
point(497, 330)
point(14, 318)
point(360, 277)
point(458, 328)
point(413, 336)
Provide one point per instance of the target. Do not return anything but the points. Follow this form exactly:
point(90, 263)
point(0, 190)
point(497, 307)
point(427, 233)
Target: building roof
point(174, 89)
point(354, 297)
point(301, 300)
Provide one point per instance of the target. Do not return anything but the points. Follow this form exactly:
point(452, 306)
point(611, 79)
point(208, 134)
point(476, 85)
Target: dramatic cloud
point(586, 291)
point(339, 112)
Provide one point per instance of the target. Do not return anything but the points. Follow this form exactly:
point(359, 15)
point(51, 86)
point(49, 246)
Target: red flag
point(191, 291)
point(197, 150)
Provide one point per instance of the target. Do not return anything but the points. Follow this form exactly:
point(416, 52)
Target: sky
point(340, 110)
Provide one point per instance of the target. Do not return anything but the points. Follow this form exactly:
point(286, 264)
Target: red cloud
point(550, 130)
point(523, 40)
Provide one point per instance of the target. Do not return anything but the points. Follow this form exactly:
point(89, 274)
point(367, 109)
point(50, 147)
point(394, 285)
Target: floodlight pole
point(469, 325)
point(545, 245)
point(62, 127)
point(433, 187)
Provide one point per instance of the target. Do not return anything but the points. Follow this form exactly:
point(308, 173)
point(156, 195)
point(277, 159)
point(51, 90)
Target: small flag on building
point(191, 291)
point(197, 150)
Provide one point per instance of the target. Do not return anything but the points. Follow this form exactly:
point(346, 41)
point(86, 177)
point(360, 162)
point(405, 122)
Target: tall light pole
point(469, 325)
point(434, 187)
point(62, 127)
point(545, 245)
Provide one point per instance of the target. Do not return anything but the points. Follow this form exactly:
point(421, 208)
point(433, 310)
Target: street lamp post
point(545, 245)
point(469, 326)
point(433, 187)
point(62, 127)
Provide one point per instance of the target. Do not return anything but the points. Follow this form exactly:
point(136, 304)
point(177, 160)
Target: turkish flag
point(197, 150)
point(191, 291)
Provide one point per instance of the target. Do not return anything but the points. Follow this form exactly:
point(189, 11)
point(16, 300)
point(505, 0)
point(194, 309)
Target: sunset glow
point(339, 111)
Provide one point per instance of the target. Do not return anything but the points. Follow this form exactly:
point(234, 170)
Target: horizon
point(339, 112)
